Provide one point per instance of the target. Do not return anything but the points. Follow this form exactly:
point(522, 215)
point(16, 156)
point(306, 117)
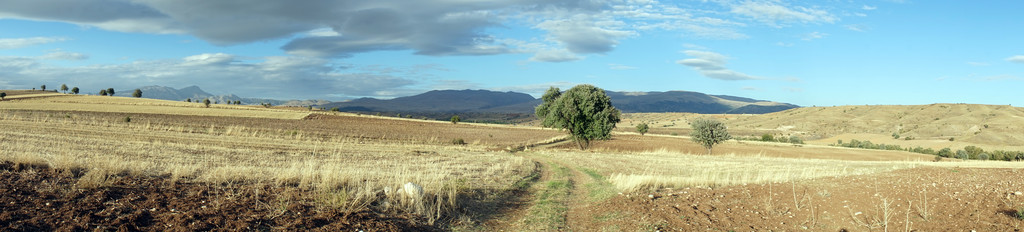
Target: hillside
point(990, 126)
point(484, 101)
point(195, 93)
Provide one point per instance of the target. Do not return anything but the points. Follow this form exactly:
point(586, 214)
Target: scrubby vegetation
point(968, 153)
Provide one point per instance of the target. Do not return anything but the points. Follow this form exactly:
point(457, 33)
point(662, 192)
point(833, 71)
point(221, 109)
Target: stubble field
point(137, 164)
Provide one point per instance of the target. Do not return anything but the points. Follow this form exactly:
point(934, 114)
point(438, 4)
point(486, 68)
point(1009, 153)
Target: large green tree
point(2, 96)
point(137, 93)
point(110, 91)
point(75, 90)
point(584, 110)
point(64, 87)
point(708, 132)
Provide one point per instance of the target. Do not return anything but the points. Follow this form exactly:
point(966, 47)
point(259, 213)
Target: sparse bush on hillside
point(458, 141)
point(709, 132)
point(266, 105)
point(642, 128)
point(951, 139)
point(64, 87)
point(945, 153)
point(795, 140)
point(137, 93)
point(75, 90)
point(961, 154)
point(983, 156)
point(103, 92)
point(335, 109)
point(42, 87)
point(895, 135)
point(188, 99)
point(456, 119)
point(770, 138)
point(127, 119)
point(110, 91)
point(206, 102)
point(2, 96)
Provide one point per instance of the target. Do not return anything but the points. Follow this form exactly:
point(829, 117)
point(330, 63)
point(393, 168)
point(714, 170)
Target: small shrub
point(127, 119)
point(206, 102)
point(938, 158)
point(1020, 213)
point(642, 128)
point(796, 140)
point(770, 138)
point(674, 134)
point(458, 141)
point(951, 139)
point(895, 135)
point(456, 119)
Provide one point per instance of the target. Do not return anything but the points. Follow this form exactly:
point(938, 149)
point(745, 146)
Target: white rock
point(1018, 193)
point(413, 191)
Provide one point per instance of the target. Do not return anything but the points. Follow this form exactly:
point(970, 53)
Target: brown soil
point(41, 199)
point(957, 199)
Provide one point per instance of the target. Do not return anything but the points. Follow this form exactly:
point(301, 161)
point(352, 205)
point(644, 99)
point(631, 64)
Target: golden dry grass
point(633, 171)
point(350, 170)
point(993, 127)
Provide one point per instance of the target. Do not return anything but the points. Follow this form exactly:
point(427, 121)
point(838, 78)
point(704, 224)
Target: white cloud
point(283, 77)
point(712, 65)
point(857, 27)
point(13, 43)
point(866, 7)
point(620, 67)
point(814, 35)
point(775, 14)
point(62, 55)
point(556, 56)
point(1016, 59)
point(582, 34)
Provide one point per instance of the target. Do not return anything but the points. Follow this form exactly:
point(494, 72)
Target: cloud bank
point(712, 65)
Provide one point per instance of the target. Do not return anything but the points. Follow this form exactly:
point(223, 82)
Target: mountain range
point(485, 101)
point(196, 94)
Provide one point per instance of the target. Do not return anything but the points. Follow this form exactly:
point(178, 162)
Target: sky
point(809, 53)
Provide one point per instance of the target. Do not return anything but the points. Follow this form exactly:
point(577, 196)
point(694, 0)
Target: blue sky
point(801, 52)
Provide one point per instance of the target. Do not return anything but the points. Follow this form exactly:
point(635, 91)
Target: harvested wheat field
point(113, 163)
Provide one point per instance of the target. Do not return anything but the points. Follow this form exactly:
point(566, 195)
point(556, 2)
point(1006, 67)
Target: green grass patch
point(600, 189)
point(550, 207)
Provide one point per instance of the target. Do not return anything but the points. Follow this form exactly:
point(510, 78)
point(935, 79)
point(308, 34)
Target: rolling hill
point(485, 101)
point(932, 126)
point(195, 93)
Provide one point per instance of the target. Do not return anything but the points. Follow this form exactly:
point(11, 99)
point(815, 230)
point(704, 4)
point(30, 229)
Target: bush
point(3, 95)
point(770, 138)
point(708, 132)
point(983, 156)
point(458, 141)
point(796, 140)
point(206, 102)
point(895, 135)
point(642, 128)
point(137, 93)
point(456, 119)
point(127, 119)
point(945, 153)
point(961, 154)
